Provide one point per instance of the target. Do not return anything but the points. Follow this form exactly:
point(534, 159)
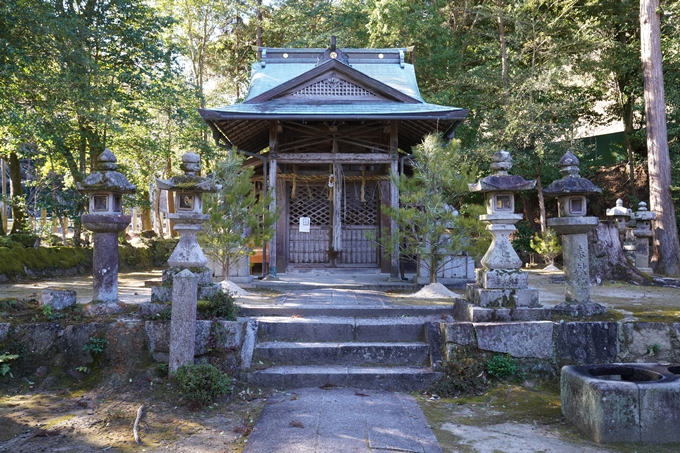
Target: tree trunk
point(146, 213)
point(666, 255)
point(607, 259)
point(504, 51)
point(18, 213)
point(541, 204)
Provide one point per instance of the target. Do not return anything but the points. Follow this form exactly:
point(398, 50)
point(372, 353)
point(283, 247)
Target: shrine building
point(325, 127)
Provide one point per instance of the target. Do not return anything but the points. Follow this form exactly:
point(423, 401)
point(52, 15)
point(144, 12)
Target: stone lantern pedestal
point(573, 225)
point(500, 283)
point(105, 219)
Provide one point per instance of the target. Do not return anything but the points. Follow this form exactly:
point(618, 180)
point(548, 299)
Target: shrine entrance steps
point(344, 338)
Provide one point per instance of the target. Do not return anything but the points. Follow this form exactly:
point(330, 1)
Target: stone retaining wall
point(568, 343)
point(51, 352)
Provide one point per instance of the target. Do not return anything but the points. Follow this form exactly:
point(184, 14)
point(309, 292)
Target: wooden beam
point(339, 158)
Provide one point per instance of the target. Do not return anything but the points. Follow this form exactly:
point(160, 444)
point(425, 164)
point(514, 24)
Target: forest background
point(80, 76)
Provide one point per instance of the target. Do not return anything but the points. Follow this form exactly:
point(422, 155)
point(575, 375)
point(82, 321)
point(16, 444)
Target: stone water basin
point(623, 402)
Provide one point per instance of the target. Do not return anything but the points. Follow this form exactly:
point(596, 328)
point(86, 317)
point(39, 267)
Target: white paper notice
point(304, 224)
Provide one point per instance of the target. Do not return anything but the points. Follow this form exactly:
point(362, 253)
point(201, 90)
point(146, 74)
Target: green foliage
point(430, 226)
point(220, 304)
point(14, 259)
point(547, 245)
point(463, 374)
point(96, 345)
point(200, 384)
point(4, 365)
point(240, 219)
point(47, 312)
point(503, 366)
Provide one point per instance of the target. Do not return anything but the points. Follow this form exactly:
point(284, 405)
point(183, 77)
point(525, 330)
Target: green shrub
point(200, 384)
point(220, 305)
point(96, 345)
point(161, 249)
point(503, 366)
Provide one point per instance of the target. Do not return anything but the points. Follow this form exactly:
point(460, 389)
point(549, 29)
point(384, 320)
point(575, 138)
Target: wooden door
point(360, 224)
point(310, 249)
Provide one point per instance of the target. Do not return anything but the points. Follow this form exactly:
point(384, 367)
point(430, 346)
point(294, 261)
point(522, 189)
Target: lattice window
point(333, 87)
point(358, 212)
point(310, 201)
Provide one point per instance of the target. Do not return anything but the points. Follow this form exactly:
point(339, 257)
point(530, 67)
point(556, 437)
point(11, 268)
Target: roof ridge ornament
point(333, 53)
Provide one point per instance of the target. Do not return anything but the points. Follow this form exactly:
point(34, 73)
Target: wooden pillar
point(394, 194)
point(273, 148)
point(336, 242)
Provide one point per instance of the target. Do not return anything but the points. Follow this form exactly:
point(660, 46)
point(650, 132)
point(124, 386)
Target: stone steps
point(356, 311)
point(403, 379)
point(349, 354)
point(386, 352)
point(341, 328)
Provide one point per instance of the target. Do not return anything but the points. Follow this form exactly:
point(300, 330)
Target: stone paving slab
point(333, 297)
point(341, 420)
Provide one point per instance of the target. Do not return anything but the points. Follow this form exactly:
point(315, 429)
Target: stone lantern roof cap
point(643, 214)
point(189, 181)
point(619, 210)
point(502, 181)
point(106, 178)
point(571, 183)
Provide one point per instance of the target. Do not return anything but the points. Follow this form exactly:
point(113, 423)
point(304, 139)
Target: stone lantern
point(621, 215)
point(501, 282)
point(188, 192)
point(643, 231)
point(105, 219)
point(573, 225)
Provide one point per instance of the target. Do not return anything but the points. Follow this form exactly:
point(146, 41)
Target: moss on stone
point(17, 260)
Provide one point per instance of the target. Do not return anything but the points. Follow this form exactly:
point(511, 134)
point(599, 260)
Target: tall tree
point(666, 258)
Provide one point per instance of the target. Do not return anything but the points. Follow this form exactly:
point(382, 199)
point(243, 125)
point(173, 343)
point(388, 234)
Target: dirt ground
point(102, 420)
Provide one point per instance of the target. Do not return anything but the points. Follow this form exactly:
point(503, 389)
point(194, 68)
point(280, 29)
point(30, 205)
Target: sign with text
point(304, 224)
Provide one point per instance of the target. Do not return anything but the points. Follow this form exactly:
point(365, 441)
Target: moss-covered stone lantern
point(188, 192)
point(501, 282)
point(105, 219)
point(643, 232)
point(571, 191)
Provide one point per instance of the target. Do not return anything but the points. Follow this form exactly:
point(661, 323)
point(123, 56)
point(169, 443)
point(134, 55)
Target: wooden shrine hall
point(325, 127)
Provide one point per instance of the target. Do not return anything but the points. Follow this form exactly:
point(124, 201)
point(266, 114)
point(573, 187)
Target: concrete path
point(342, 420)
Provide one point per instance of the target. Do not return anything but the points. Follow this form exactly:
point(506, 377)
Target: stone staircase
point(369, 347)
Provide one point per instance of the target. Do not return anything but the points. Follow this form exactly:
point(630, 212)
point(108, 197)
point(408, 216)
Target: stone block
point(158, 334)
point(502, 279)
point(76, 336)
point(646, 342)
point(623, 402)
point(604, 410)
point(204, 275)
point(161, 294)
point(149, 310)
point(388, 329)
point(587, 342)
point(205, 291)
point(435, 340)
point(38, 338)
point(58, 298)
point(519, 339)
point(229, 334)
point(660, 411)
point(460, 333)
point(503, 298)
point(4, 331)
point(466, 312)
